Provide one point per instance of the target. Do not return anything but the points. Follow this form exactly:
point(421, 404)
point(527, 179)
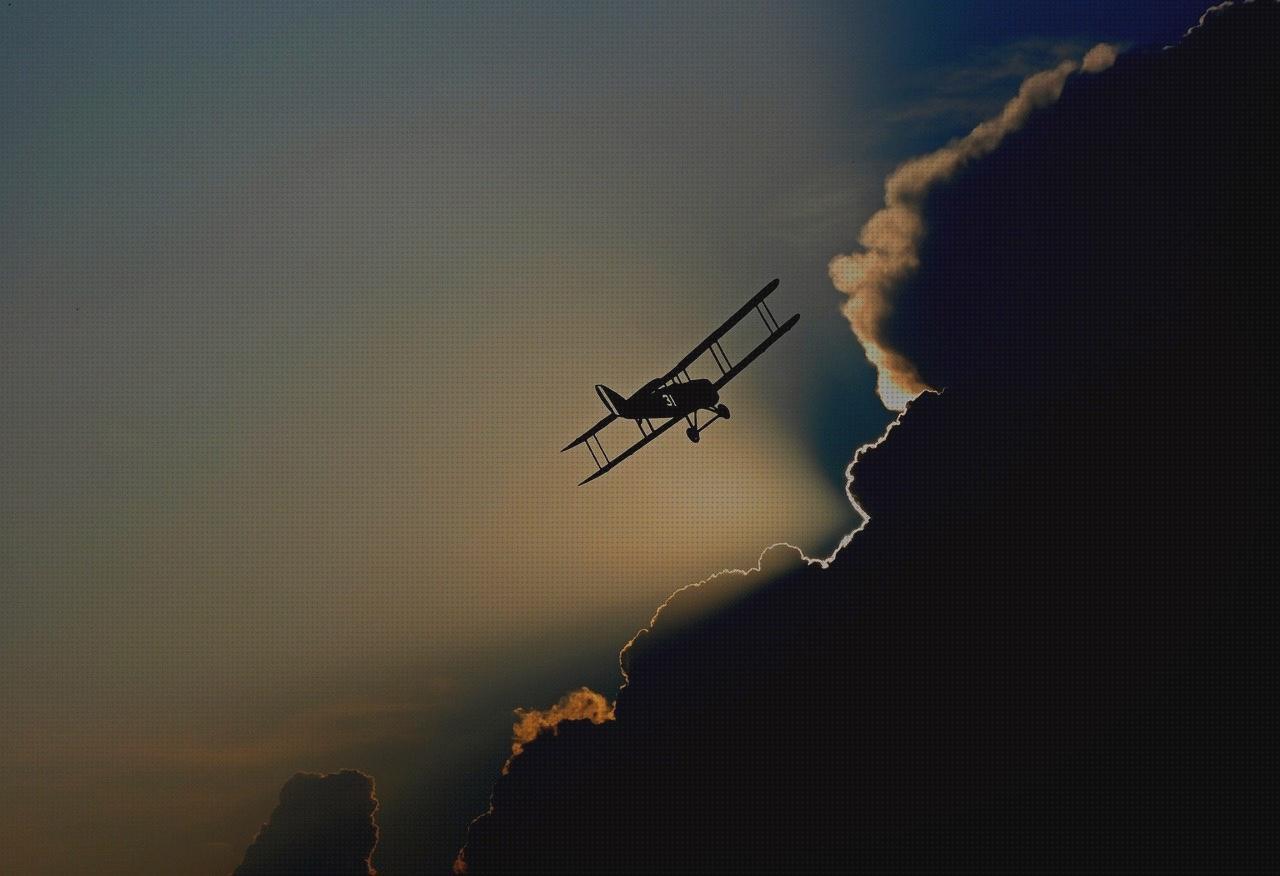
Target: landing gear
point(693, 434)
point(722, 411)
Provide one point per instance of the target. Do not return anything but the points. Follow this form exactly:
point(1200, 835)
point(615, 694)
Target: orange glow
point(578, 705)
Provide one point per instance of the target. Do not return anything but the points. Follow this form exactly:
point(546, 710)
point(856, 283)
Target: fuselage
point(673, 400)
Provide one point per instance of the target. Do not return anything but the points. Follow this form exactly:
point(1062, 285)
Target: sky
point(298, 304)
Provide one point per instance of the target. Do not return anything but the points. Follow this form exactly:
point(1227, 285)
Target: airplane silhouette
point(655, 399)
point(675, 395)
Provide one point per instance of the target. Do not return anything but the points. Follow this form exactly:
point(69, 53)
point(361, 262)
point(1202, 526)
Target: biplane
point(675, 396)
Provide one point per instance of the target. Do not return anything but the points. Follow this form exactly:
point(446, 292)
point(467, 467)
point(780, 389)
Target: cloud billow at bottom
point(323, 826)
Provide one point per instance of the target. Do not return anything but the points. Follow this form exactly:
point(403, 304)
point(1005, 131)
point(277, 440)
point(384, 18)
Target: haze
point(299, 304)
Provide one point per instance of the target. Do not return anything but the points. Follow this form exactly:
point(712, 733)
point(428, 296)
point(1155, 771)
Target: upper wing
point(610, 463)
point(756, 300)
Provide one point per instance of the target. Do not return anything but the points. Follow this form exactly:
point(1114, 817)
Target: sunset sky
point(298, 303)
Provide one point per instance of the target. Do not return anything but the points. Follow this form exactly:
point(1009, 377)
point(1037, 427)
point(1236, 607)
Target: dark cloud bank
point(1042, 647)
point(1046, 644)
point(324, 826)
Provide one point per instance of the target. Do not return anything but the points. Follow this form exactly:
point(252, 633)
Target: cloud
point(324, 826)
point(1208, 14)
point(582, 704)
point(1099, 58)
point(891, 237)
point(1044, 642)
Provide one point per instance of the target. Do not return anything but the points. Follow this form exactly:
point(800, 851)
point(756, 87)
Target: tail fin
point(614, 402)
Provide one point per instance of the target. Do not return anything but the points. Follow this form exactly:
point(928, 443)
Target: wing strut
point(683, 364)
point(611, 464)
point(760, 348)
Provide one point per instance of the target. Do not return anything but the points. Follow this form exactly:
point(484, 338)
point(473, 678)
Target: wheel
point(723, 411)
point(693, 434)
